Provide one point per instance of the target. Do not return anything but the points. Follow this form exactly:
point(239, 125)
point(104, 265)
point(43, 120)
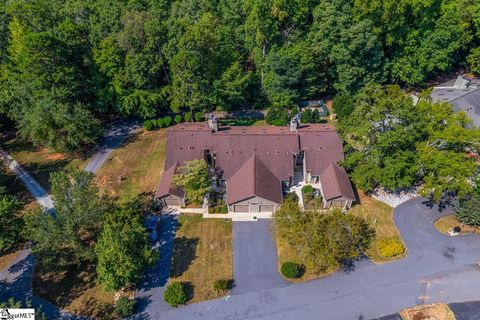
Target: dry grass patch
point(287, 254)
point(202, 255)
point(437, 311)
point(74, 290)
point(135, 167)
point(448, 222)
point(38, 161)
point(380, 217)
point(7, 258)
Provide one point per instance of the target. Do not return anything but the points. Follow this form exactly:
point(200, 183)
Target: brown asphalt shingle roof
point(335, 183)
point(165, 186)
point(273, 146)
point(253, 179)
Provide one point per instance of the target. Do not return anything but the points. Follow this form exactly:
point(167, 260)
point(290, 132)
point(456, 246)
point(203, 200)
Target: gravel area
point(394, 199)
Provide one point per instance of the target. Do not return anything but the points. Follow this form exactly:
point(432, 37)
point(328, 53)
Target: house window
point(314, 179)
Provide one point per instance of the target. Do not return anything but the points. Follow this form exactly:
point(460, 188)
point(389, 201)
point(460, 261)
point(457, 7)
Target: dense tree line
point(65, 64)
point(394, 143)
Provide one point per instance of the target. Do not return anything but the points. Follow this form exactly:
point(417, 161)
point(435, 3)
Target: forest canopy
point(65, 64)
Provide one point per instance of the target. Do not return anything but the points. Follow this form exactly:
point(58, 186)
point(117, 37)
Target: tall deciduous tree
point(10, 223)
point(68, 235)
point(194, 179)
point(123, 250)
point(323, 240)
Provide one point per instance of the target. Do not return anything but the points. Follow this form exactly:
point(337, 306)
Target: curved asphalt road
point(437, 268)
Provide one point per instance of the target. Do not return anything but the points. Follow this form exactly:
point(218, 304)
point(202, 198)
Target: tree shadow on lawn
point(64, 285)
point(184, 253)
point(41, 171)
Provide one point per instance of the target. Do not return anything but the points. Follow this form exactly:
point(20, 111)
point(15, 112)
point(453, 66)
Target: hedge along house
point(256, 166)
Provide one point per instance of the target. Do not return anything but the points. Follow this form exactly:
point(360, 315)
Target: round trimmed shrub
point(388, 248)
point(167, 121)
point(175, 294)
point(224, 209)
point(188, 117)
point(148, 125)
point(160, 123)
point(198, 116)
point(211, 210)
point(291, 270)
point(124, 307)
point(218, 209)
point(178, 118)
point(221, 285)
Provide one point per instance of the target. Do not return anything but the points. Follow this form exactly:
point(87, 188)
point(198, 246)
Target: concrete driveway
point(254, 257)
point(437, 268)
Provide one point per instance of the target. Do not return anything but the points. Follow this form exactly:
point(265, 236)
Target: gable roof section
point(165, 187)
point(253, 179)
point(335, 183)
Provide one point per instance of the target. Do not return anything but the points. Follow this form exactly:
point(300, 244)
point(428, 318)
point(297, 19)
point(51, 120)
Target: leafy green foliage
point(160, 123)
point(322, 240)
point(125, 307)
point(291, 270)
point(198, 116)
point(68, 235)
point(10, 224)
point(188, 117)
point(178, 118)
point(388, 248)
point(123, 250)
point(167, 121)
point(466, 210)
point(308, 192)
point(474, 60)
point(193, 178)
point(148, 125)
point(343, 105)
point(394, 144)
point(175, 294)
point(221, 285)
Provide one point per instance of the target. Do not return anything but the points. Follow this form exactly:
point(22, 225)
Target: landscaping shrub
point(211, 210)
point(388, 248)
point(224, 209)
point(160, 123)
point(147, 125)
point(218, 209)
point(178, 118)
point(221, 285)
point(175, 294)
point(188, 117)
point(308, 192)
point(291, 270)
point(291, 196)
point(124, 307)
point(167, 121)
point(278, 122)
point(198, 116)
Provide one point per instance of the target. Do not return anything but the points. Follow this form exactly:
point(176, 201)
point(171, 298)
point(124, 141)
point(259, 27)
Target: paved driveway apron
point(254, 257)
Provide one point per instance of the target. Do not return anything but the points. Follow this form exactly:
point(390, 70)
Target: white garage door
point(240, 208)
point(267, 208)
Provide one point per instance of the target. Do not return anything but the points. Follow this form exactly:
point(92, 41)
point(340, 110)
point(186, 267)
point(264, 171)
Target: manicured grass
point(135, 167)
point(287, 254)
point(202, 255)
point(438, 311)
point(380, 217)
point(38, 161)
point(448, 222)
point(74, 290)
